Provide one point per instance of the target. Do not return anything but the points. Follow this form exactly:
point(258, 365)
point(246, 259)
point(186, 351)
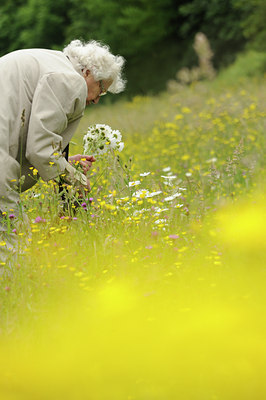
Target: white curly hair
point(98, 59)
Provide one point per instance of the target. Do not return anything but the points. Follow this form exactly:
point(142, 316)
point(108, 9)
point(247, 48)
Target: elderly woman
point(43, 94)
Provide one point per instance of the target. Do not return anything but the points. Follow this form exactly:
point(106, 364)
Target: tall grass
point(153, 290)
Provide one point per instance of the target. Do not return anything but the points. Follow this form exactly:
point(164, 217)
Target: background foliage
point(155, 37)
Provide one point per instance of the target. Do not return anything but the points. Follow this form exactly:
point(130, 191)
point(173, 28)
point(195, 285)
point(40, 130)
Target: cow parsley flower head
point(101, 139)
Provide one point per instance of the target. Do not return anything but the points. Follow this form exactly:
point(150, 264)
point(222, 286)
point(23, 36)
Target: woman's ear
point(86, 72)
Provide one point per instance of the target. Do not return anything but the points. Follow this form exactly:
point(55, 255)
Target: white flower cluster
point(100, 139)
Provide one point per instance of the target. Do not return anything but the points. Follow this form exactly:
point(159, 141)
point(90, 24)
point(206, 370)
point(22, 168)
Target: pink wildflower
point(173, 236)
point(39, 219)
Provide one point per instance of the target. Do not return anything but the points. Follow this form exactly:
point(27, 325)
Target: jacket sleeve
point(57, 106)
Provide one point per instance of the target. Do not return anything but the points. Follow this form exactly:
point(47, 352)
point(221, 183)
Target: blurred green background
point(155, 37)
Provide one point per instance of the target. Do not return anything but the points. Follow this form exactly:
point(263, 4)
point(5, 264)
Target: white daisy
point(134, 183)
point(174, 196)
point(145, 174)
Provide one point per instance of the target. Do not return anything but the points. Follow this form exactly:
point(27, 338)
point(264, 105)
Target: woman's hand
point(85, 161)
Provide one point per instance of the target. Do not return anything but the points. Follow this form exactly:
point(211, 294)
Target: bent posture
point(43, 94)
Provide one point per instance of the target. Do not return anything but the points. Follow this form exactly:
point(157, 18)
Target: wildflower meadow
point(151, 285)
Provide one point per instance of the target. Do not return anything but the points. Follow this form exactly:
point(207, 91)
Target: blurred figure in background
point(43, 94)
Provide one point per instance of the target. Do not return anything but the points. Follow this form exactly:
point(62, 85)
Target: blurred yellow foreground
point(198, 335)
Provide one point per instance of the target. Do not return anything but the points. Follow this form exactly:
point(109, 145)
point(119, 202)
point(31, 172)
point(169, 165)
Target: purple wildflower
point(39, 219)
point(173, 237)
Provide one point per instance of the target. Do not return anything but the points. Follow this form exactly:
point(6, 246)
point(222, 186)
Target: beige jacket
point(42, 98)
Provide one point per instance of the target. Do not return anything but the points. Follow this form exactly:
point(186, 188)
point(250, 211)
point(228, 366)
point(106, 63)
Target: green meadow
point(152, 286)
